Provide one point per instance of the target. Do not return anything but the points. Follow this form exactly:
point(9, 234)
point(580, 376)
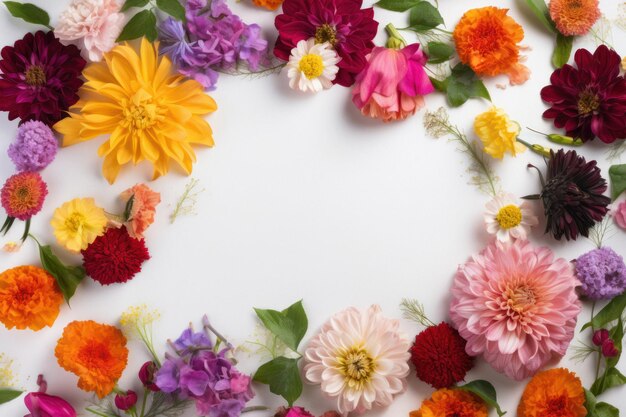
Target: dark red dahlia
point(342, 23)
point(572, 195)
point(40, 78)
point(439, 356)
point(589, 101)
point(114, 257)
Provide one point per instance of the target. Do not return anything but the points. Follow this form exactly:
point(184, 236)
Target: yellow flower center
point(509, 216)
point(326, 33)
point(141, 112)
point(356, 365)
point(588, 102)
point(519, 298)
point(35, 76)
point(74, 222)
point(311, 65)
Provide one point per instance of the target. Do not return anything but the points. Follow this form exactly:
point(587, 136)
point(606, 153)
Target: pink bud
point(600, 336)
point(298, 412)
point(44, 405)
point(146, 376)
point(608, 349)
point(126, 401)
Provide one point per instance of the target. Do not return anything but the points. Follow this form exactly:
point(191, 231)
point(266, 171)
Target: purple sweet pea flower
point(190, 341)
point(253, 47)
point(168, 376)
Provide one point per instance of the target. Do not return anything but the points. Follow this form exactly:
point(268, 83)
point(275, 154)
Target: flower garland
point(514, 305)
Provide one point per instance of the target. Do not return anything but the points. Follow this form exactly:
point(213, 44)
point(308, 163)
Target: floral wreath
point(141, 82)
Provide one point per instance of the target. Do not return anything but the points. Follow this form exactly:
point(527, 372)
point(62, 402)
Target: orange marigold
point(29, 297)
point(574, 17)
point(487, 40)
point(553, 393)
point(95, 352)
point(268, 4)
point(451, 402)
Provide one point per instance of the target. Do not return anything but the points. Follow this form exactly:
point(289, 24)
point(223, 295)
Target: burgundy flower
point(589, 101)
point(342, 23)
point(572, 195)
point(39, 78)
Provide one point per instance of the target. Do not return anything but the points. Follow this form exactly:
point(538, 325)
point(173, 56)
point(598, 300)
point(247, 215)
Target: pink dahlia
point(349, 29)
point(393, 83)
point(40, 78)
point(516, 305)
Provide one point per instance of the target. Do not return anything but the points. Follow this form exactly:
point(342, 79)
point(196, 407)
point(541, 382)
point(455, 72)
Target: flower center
point(74, 222)
point(356, 365)
point(509, 216)
point(326, 33)
point(556, 405)
point(311, 65)
point(588, 102)
point(94, 354)
point(520, 297)
point(35, 76)
point(141, 112)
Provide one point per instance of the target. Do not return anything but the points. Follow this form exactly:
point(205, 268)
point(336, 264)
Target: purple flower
point(253, 47)
point(34, 148)
point(602, 273)
point(190, 341)
point(167, 377)
point(174, 42)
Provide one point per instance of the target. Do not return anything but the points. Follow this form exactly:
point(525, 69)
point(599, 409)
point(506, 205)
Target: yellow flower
point(149, 113)
point(136, 319)
point(7, 376)
point(78, 223)
point(498, 133)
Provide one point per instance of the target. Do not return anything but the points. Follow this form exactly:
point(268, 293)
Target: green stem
point(143, 402)
point(538, 149)
point(96, 412)
point(254, 408)
point(396, 41)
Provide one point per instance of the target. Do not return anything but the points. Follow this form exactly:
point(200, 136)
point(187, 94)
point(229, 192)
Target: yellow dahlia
point(78, 223)
point(498, 133)
point(149, 113)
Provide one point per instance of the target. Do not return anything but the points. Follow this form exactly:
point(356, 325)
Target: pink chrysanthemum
point(23, 195)
point(516, 305)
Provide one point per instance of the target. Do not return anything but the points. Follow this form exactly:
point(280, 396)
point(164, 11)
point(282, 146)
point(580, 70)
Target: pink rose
point(620, 215)
point(393, 83)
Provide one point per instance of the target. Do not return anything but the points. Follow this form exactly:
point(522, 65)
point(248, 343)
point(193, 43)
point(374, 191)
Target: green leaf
point(440, 85)
point(617, 173)
point(486, 391)
point(540, 10)
point(134, 3)
point(8, 394)
point(463, 84)
point(424, 17)
point(611, 378)
point(289, 325)
point(439, 52)
point(67, 277)
point(612, 311)
point(29, 12)
point(396, 5)
point(141, 24)
point(283, 377)
point(173, 8)
point(590, 403)
point(562, 51)
point(605, 410)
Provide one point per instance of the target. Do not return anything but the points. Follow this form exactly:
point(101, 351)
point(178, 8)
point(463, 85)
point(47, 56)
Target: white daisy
point(311, 66)
point(509, 218)
point(360, 358)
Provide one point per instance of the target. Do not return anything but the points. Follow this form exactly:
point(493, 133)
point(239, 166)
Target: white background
point(304, 198)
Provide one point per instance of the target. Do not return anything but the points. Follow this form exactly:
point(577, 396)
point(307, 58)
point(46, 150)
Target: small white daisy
point(509, 218)
point(311, 66)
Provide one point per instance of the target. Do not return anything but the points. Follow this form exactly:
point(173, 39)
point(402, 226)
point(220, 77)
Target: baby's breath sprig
point(437, 124)
point(186, 204)
point(137, 321)
point(616, 150)
point(414, 310)
point(601, 231)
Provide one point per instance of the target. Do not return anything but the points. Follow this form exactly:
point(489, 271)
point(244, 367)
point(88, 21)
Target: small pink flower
point(600, 336)
point(620, 215)
point(126, 401)
point(142, 209)
point(393, 83)
point(41, 404)
point(298, 412)
point(97, 23)
point(239, 383)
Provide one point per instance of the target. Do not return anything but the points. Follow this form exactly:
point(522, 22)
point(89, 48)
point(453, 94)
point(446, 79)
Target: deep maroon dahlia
point(39, 78)
point(439, 356)
point(114, 257)
point(589, 101)
point(572, 195)
point(342, 23)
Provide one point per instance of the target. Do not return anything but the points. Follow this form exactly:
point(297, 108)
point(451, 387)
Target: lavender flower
point(208, 376)
point(212, 39)
point(34, 148)
point(602, 273)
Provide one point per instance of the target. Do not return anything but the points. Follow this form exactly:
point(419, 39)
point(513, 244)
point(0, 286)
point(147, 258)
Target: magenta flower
point(393, 83)
point(41, 404)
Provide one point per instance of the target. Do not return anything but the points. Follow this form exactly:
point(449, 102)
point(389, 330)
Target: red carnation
point(341, 23)
point(114, 257)
point(438, 354)
point(40, 78)
point(590, 100)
